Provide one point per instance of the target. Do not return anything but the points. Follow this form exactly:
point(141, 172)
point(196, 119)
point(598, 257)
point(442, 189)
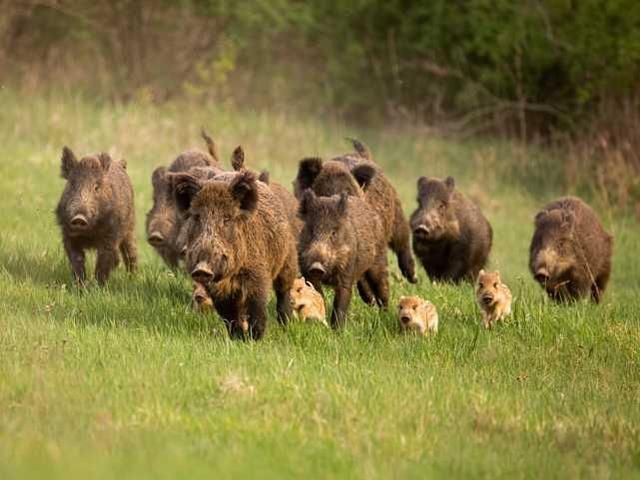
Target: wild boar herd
point(239, 235)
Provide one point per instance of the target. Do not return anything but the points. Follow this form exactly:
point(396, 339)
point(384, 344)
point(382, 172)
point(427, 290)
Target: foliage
point(541, 63)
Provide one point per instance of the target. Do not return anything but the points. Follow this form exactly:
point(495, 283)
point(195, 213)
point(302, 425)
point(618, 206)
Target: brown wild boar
point(239, 244)
point(493, 297)
point(357, 174)
point(163, 222)
point(451, 237)
point(96, 212)
point(342, 241)
point(307, 302)
point(418, 315)
point(570, 253)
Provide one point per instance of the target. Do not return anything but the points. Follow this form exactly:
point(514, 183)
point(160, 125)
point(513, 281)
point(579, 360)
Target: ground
point(128, 381)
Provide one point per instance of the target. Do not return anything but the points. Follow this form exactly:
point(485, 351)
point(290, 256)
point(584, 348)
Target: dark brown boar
point(570, 253)
point(96, 212)
point(357, 174)
point(163, 222)
point(342, 242)
point(451, 237)
point(239, 244)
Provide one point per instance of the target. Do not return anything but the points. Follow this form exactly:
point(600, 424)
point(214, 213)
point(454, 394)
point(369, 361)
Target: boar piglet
point(570, 253)
point(163, 222)
point(342, 241)
point(451, 237)
point(238, 245)
point(96, 212)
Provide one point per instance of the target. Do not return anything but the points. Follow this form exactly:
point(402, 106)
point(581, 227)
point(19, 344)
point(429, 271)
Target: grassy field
point(128, 382)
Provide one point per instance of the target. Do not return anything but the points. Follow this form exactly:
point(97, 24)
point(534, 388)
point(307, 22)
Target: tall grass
point(128, 381)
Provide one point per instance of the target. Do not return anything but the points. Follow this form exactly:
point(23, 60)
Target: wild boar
point(357, 174)
point(570, 253)
point(451, 237)
point(96, 211)
point(163, 222)
point(239, 244)
point(342, 241)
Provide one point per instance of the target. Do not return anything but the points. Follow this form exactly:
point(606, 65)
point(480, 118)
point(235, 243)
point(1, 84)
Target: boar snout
point(202, 273)
point(156, 239)
point(487, 299)
point(317, 269)
point(421, 230)
point(542, 275)
point(405, 319)
point(79, 221)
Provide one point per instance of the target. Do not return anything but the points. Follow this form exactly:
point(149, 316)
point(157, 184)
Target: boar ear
point(308, 171)
point(306, 202)
point(245, 191)
point(422, 186)
point(157, 176)
point(185, 187)
point(360, 148)
point(364, 174)
point(264, 177)
point(450, 183)
point(540, 216)
point(212, 148)
point(343, 203)
point(568, 218)
point(105, 161)
point(68, 162)
point(237, 158)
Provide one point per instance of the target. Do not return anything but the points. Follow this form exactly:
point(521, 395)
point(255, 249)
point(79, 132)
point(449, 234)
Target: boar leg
point(598, 288)
point(129, 253)
point(365, 291)
point(282, 285)
point(76, 258)
point(229, 312)
point(379, 281)
point(107, 261)
point(341, 303)
point(401, 245)
point(257, 313)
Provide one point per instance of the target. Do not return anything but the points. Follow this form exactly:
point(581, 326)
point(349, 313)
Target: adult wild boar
point(451, 237)
point(239, 244)
point(163, 222)
point(570, 253)
point(357, 174)
point(96, 212)
point(342, 242)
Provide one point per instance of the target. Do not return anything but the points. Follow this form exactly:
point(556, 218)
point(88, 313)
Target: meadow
point(128, 381)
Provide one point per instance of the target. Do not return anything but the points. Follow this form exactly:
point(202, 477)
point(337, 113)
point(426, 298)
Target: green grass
point(127, 381)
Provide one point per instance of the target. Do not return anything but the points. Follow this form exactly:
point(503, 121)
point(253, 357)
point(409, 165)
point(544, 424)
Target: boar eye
point(334, 234)
point(495, 285)
point(195, 217)
point(442, 206)
point(96, 187)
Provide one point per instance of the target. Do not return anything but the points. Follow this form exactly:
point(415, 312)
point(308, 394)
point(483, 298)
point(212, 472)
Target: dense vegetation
point(472, 64)
point(128, 382)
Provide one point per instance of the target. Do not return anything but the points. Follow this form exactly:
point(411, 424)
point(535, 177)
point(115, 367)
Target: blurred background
point(562, 75)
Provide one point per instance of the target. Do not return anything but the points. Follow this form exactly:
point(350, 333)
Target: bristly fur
point(571, 246)
point(359, 176)
point(460, 237)
point(99, 193)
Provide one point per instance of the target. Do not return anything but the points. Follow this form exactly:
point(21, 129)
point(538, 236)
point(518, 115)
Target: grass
point(128, 382)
